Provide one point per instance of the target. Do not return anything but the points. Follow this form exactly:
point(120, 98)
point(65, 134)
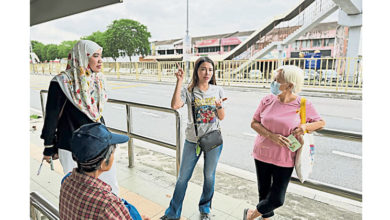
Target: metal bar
point(146, 139)
point(145, 106)
point(178, 143)
point(340, 134)
point(130, 148)
point(329, 189)
point(44, 206)
point(42, 105)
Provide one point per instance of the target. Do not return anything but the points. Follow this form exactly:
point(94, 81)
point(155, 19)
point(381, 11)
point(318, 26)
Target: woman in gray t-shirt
point(208, 112)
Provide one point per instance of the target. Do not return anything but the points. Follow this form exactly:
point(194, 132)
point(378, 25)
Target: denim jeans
point(188, 162)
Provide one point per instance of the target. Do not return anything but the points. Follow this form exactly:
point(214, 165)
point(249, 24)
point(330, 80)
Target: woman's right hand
point(180, 73)
point(280, 140)
point(49, 158)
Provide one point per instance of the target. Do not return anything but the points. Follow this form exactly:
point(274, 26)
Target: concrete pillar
point(354, 24)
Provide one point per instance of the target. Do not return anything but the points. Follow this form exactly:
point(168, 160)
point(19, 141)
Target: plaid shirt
point(85, 197)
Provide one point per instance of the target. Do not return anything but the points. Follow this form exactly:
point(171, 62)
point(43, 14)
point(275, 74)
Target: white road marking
point(347, 154)
point(250, 134)
point(151, 114)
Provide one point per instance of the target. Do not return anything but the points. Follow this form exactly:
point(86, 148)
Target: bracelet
point(219, 107)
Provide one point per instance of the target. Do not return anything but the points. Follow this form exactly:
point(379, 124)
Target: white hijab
point(83, 87)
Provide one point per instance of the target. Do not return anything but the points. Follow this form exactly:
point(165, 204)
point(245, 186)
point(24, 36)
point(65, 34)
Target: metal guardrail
point(309, 183)
point(44, 207)
point(350, 135)
point(335, 190)
point(132, 135)
point(338, 74)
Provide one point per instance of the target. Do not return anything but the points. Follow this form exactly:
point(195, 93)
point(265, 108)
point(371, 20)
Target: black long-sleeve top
point(58, 131)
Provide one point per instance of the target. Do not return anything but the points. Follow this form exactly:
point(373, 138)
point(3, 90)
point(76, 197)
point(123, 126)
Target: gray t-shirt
point(205, 110)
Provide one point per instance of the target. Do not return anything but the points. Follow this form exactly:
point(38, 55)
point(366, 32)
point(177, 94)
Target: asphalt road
point(338, 162)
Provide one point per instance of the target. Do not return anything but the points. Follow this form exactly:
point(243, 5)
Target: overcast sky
point(166, 19)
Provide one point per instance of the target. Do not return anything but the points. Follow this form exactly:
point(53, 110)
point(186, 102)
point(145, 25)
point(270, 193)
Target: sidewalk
point(150, 184)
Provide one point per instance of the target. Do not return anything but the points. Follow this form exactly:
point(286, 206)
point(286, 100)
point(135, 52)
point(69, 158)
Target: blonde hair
point(292, 74)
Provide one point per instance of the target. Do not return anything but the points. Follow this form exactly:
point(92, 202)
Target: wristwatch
point(219, 107)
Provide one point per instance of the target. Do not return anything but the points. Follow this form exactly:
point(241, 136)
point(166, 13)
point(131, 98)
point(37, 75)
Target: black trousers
point(272, 182)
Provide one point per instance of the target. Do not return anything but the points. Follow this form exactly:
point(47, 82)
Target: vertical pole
point(178, 144)
point(159, 71)
point(130, 149)
point(136, 71)
point(42, 105)
point(187, 61)
point(117, 69)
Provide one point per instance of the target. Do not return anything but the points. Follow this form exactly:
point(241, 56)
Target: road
point(338, 162)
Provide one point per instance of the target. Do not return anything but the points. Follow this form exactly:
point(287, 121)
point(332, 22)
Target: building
point(329, 38)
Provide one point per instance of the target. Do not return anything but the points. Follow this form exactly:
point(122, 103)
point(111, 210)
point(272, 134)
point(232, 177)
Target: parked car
point(330, 76)
point(168, 72)
point(255, 74)
point(310, 74)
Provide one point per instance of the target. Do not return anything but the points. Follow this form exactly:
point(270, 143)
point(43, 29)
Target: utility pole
point(187, 49)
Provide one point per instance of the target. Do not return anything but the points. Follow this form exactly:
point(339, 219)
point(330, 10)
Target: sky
point(166, 19)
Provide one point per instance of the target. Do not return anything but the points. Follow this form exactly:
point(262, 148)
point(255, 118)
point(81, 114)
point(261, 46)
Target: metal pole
point(130, 149)
point(187, 37)
point(42, 105)
point(178, 144)
point(187, 20)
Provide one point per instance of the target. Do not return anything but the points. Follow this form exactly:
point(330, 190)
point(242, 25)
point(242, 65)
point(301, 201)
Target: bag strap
point(302, 111)
point(193, 111)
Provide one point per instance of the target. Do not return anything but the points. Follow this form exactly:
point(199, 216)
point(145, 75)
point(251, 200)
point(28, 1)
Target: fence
point(129, 132)
point(338, 74)
point(41, 209)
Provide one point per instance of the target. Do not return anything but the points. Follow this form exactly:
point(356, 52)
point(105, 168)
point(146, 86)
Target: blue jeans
point(188, 162)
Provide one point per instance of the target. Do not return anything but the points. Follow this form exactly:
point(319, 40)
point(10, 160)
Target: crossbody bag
point(210, 140)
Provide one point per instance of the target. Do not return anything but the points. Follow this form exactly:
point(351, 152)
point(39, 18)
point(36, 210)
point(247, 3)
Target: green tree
point(51, 52)
point(126, 37)
point(65, 47)
point(37, 48)
point(44, 53)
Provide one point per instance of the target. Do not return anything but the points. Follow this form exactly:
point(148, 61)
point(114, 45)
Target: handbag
point(210, 140)
point(304, 158)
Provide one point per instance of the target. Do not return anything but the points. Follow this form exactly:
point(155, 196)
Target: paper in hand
point(295, 145)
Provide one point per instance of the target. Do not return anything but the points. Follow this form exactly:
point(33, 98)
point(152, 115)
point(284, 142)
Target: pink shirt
point(280, 118)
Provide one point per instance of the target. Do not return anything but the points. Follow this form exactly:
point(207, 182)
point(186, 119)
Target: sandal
point(245, 214)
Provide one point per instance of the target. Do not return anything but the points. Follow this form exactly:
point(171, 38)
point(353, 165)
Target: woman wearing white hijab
point(76, 97)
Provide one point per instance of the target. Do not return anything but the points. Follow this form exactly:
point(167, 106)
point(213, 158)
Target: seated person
point(82, 194)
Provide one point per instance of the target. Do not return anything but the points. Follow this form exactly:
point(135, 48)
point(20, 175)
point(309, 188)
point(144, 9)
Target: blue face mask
point(275, 88)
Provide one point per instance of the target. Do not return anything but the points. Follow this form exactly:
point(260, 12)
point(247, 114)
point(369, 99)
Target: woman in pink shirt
point(276, 117)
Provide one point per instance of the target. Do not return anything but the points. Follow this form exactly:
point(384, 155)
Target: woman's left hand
point(300, 130)
point(218, 102)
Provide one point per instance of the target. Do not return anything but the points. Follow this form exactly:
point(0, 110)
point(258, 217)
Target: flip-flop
point(245, 214)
